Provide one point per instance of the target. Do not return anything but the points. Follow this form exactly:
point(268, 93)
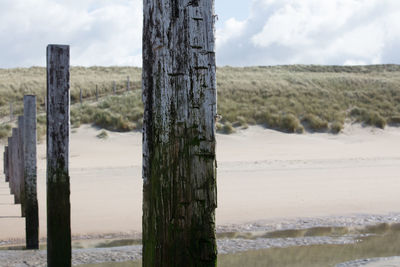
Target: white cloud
point(99, 32)
point(315, 32)
point(104, 32)
point(232, 29)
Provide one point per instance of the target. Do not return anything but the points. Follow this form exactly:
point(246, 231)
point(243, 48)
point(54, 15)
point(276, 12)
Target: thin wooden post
point(21, 177)
point(114, 88)
point(179, 163)
point(30, 170)
point(11, 111)
point(58, 186)
point(128, 84)
point(97, 93)
point(80, 95)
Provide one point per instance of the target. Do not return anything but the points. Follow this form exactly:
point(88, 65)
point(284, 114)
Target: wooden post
point(6, 164)
point(14, 182)
point(21, 177)
point(10, 167)
point(58, 186)
point(11, 111)
point(80, 95)
point(179, 164)
point(114, 88)
point(128, 84)
point(30, 170)
point(97, 93)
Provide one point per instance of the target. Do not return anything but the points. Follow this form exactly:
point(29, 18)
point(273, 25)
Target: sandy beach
point(263, 175)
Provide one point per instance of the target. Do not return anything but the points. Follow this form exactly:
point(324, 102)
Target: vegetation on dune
point(102, 135)
point(316, 98)
point(291, 99)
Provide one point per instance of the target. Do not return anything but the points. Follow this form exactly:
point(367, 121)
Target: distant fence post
point(11, 111)
point(80, 95)
point(30, 170)
point(114, 88)
point(97, 93)
point(21, 180)
point(58, 186)
point(128, 84)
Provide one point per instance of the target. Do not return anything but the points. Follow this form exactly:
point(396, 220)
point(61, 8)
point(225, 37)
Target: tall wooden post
point(114, 88)
point(30, 170)
point(80, 95)
point(128, 85)
point(21, 177)
point(58, 187)
point(97, 93)
point(179, 164)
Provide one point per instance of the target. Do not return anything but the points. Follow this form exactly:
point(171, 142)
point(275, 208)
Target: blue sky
point(249, 32)
point(226, 9)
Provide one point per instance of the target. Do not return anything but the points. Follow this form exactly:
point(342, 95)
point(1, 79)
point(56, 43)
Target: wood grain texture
point(179, 95)
point(58, 184)
point(30, 174)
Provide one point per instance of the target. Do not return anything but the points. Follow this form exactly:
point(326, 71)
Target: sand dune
point(262, 175)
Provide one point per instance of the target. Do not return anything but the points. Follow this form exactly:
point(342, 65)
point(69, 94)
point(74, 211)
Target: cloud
point(99, 32)
point(313, 32)
point(104, 32)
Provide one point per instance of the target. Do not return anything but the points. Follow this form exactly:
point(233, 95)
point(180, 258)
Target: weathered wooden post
point(80, 95)
point(6, 164)
point(128, 84)
point(30, 170)
point(58, 187)
point(97, 94)
point(10, 168)
point(14, 181)
point(179, 164)
point(114, 88)
point(21, 178)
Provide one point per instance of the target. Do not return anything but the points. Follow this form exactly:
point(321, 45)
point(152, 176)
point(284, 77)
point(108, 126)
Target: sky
point(249, 32)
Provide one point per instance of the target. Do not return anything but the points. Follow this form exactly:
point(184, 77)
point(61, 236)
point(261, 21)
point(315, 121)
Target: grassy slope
point(286, 98)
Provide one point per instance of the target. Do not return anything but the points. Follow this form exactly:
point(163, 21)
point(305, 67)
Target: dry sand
point(262, 175)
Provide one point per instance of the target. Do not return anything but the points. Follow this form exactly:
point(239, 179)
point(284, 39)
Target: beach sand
point(263, 175)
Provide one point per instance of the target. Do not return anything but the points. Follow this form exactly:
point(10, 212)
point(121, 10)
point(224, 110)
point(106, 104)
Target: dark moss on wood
point(179, 186)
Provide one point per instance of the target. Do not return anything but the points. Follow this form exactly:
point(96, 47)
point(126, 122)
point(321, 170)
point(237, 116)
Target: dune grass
point(291, 99)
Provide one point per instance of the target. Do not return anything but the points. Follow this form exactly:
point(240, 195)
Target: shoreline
point(261, 226)
point(232, 239)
